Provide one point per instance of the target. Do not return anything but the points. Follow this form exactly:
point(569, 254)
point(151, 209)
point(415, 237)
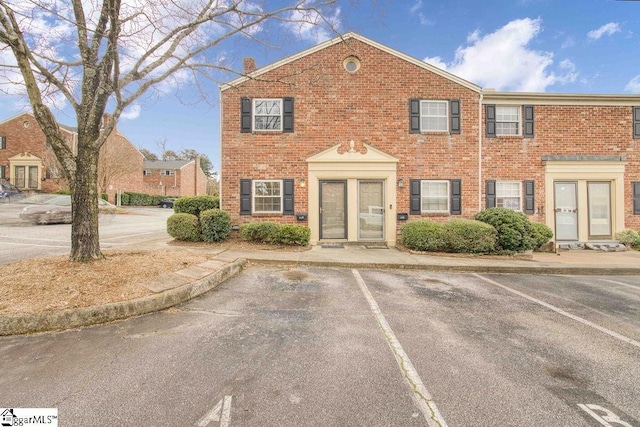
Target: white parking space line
point(615, 282)
point(33, 244)
point(419, 392)
point(562, 312)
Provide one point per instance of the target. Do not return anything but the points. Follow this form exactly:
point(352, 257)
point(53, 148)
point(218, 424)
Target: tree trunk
point(85, 238)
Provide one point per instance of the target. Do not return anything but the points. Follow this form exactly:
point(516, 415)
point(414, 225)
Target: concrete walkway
point(189, 283)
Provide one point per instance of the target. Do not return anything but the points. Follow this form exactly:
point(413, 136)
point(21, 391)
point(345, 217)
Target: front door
point(599, 195)
point(566, 211)
point(371, 210)
point(333, 209)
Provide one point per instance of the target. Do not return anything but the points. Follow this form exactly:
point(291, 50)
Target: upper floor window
point(434, 116)
point(168, 172)
point(3, 142)
point(146, 172)
point(507, 120)
point(266, 114)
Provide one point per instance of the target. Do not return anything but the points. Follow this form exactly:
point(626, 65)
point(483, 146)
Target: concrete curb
point(487, 269)
point(87, 316)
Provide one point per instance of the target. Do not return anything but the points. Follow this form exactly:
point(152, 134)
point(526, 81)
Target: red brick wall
point(183, 183)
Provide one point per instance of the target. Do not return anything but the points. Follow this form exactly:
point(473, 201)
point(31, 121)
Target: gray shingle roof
point(161, 164)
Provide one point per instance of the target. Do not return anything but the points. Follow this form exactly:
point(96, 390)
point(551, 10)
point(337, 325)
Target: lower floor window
point(508, 195)
point(434, 196)
point(267, 196)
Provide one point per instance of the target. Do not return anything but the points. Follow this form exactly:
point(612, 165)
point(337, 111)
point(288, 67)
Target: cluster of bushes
point(495, 230)
point(630, 238)
point(196, 204)
point(211, 225)
point(271, 232)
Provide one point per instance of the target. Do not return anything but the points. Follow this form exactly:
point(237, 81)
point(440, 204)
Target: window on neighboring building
point(267, 196)
point(3, 172)
point(168, 172)
point(434, 116)
point(267, 114)
point(508, 195)
point(146, 172)
point(434, 196)
point(508, 120)
point(3, 142)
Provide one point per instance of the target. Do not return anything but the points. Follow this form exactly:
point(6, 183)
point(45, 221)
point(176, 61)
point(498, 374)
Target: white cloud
point(311, 26)
point(436, 61)
point(634, 85)
point(424, 20)
point(131, 112)
point(416, 7)
point(503, 60)
point(607, 29)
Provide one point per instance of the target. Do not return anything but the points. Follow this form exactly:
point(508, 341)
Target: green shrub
point(515, 233)
point(65, 192)
point(130, 198)
point(424, 236)
point(629, 238)
point(292, 235)
point(182, 226)
point(264, 232)
point(215, 225)
point(541, 234)
point(196, 204)
point(469, 236)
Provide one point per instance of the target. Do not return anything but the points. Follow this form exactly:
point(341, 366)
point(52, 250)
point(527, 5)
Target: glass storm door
point(333, 209)
point(599, 195)
point(371, 210)
point(566, 210)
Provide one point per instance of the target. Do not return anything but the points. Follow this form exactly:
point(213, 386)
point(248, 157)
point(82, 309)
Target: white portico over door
point(362, 174)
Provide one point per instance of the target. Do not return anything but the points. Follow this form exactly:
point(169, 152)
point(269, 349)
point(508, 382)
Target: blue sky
point(586, 46)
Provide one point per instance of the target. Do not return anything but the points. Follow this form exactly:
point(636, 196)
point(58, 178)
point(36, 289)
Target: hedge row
point(271, 232)
point(129, 198)
point(495, 230)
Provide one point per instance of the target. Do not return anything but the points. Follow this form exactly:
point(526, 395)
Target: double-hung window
point(168, 172)
point(509, 195)
point(434, 116)
point(267, 196)
point(434, 196)
point(267, 114)
point(146, 172)
point(508, 120)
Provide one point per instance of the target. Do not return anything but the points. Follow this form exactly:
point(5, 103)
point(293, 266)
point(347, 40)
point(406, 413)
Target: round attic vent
point(351, 64)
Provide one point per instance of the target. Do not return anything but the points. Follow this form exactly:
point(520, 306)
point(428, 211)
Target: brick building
point(174, 178)
point(354, 139)
point(28, 162)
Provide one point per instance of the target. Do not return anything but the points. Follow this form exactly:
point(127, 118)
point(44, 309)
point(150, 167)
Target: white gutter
point(480, 152)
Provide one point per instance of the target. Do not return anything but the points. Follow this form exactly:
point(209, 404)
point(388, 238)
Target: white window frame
point(256, 115)
point(424, 196)
point(168, 172)
point(424, 104)
point(501, 196)
point(146, 172)
point(254, 196)
point(500, 119)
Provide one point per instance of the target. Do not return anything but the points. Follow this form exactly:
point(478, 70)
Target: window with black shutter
point(3, 142)
point(529, 197)
point(414, 116)
point(3, 172)
point(287, 115)
point(490, 120)
point(246, 106)
point(245, 197)
point(636, 122)
point(490, 194)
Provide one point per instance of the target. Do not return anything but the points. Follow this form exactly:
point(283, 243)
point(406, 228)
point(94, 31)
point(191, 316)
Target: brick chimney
point(249, 65)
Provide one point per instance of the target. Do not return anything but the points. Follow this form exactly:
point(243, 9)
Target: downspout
point(220, 146)
point(480, 151)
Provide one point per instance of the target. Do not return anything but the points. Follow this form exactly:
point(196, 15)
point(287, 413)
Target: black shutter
point(529, 197)
point(636, 122)
point(636, 198)
point(456, 197)
point(528, 121)
point(490, 193)
point(245, 197)
point(3, 142)
point(245, 115)
point(414, 116)
point(490, 120)
point(287, 115)
point(3, 172)
point(287, 199)
point(415, 203)
point(454, 109)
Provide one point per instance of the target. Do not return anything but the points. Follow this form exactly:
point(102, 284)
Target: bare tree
point(96, 55)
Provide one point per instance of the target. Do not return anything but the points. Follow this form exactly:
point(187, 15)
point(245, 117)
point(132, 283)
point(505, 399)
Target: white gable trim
point(341, 39)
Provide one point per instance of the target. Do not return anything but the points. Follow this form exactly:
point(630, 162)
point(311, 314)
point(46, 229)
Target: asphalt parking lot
point(306, 346)
point(23, 240)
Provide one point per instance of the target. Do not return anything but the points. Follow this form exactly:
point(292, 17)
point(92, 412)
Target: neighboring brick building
point(353, 139)
point(174, 178)
point(27, 161)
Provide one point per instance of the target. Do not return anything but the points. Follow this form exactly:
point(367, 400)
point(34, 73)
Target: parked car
point(9, 192)
point(56, 209)
point(167, 202)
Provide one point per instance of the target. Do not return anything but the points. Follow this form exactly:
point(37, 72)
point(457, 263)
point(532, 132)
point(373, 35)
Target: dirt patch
point(54, 283)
